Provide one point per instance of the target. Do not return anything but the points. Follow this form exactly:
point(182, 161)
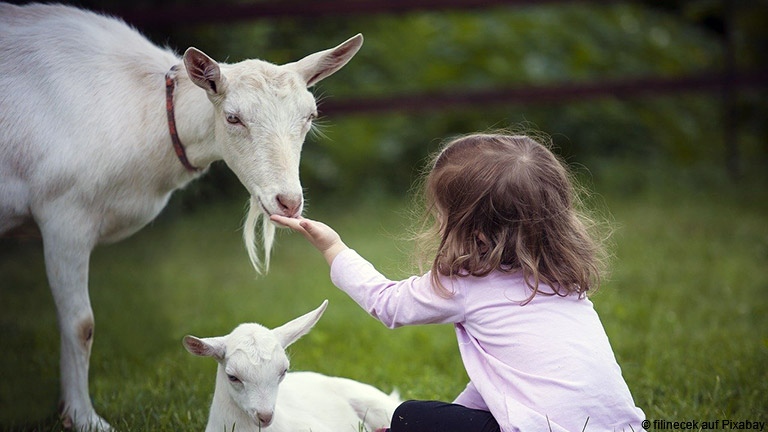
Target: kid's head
point(507, 203)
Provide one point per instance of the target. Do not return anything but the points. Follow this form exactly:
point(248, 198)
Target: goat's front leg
point(66, 259)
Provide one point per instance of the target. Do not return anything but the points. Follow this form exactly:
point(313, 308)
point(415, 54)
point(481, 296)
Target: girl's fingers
point(310, 229)
point(276, 218)
point(285, 221)
point(302, 225)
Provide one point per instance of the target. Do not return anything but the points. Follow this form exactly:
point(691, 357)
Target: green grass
point(686, 309)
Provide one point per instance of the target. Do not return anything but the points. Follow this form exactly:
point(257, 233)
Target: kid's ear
point(206, 347)
point(291, 331)
point(319, 65)
point(204, 71)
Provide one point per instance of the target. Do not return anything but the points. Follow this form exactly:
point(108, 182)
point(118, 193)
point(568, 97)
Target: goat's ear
point(291, 331)
point(204, 71)
point(319, 65)
point(206, 347)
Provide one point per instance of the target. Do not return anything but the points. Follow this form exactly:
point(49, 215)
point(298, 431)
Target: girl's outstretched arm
point(394, 303)
point(323, 237)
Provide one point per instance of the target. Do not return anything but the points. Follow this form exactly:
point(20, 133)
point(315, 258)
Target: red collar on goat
point(178, 147)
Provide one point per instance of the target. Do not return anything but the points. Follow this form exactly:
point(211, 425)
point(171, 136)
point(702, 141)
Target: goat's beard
point(249, 235)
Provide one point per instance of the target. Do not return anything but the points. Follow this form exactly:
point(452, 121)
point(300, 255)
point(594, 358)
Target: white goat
point(86, 106)
point(253, 364)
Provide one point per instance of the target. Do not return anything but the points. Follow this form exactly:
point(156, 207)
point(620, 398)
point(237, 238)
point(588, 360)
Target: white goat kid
point(253, 364)
point(86, 153)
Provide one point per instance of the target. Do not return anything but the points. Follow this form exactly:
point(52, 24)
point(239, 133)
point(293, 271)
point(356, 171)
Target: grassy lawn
point(686, 309)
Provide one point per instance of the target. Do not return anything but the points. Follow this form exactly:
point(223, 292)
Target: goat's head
point(262, 113)
point(252, 362)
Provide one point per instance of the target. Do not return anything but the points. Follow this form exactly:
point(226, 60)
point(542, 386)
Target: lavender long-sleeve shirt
point(544, 366)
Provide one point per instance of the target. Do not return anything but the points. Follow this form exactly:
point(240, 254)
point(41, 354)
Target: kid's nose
point(289, 204)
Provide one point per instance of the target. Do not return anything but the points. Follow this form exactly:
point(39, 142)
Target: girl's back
point(551, 356)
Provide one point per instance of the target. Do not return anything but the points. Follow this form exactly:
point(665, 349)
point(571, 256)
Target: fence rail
point(546, 94)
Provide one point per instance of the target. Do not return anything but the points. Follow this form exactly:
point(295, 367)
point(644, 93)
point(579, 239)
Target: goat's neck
point(224, 412)
point(194, 115)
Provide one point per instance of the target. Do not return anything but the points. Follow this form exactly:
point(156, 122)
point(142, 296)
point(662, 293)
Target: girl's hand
point(323, 237)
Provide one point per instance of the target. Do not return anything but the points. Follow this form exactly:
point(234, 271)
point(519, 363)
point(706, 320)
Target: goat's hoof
point(98, 424)
point(66, 421)
point(94, 423)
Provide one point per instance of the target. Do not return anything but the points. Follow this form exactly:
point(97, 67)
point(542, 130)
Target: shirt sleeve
point(471, 398)
point(396, 303)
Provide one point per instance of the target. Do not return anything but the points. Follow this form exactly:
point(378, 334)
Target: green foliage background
point(504, 47)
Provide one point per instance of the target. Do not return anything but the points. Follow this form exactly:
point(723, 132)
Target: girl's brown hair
point(505, 202)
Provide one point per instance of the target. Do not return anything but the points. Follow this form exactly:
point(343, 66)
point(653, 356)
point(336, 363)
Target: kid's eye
point(233, 379)
point(233, 119)
point(282, 375)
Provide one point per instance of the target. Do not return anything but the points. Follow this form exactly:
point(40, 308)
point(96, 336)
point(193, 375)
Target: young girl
point(511, 272)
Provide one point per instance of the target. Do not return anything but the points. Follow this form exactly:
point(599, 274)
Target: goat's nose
point(265, 418)
point(289, 204)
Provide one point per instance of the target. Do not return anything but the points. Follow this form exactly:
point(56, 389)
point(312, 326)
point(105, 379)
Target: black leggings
point(434, 416)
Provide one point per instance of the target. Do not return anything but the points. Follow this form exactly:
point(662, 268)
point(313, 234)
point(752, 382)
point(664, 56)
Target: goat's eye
point(233, 379)
point(312, 116)
point(233, 119)
point(282, 375)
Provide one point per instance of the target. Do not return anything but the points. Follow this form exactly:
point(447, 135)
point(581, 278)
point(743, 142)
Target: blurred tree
point(501, 47)
point(493, 48)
